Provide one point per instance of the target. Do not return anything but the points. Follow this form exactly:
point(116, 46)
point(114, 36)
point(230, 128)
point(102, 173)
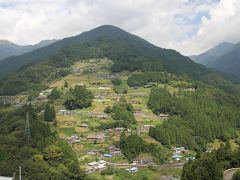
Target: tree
point(49, 112)
point(55, 94)
point(78, 98)
point(108, 109)
point(65, 84)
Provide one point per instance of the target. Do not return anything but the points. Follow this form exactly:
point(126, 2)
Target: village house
point(84, 125)
point(113, 150)
point(132, 170)
point(98, 138)
point(65, 112)
point(163, 116)
point(176, 157)
point(106, 155)
point(73, 139)
point(95, 166)
point(102, 115)
point(135, 102)
point(178, 150)
point(93, 152)
point(119, 129)
point(143, 160)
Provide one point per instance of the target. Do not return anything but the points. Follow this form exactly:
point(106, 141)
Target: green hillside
point(105, 101)
point(127, 51)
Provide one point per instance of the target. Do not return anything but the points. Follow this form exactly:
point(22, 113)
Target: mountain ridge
point(8, 48)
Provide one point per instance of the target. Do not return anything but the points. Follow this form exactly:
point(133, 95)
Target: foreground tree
point(49, 112)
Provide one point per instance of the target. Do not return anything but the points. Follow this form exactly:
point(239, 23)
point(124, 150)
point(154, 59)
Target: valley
point(106, 104)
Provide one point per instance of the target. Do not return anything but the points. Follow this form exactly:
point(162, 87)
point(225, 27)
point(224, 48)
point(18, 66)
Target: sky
point(189, 26)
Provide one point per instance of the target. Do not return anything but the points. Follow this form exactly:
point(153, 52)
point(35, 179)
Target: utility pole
point(20, 173)
point(27, 128)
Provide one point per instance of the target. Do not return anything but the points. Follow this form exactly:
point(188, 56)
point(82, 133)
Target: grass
point(68, 130)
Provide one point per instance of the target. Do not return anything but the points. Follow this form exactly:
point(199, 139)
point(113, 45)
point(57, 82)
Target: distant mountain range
point(8, 48)
point(224, 57)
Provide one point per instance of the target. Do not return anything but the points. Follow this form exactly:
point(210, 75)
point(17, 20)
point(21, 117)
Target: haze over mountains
point(224, 57)
point(8, 48)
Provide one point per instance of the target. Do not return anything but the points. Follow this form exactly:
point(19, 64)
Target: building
point(73, 139)
point(132, 170)
point(84, 125)
point(95, 166)
point(65, 112)
point(98, 138)
point(114, 151)
point(102, 115)
point(163, 115)
point(119, 129)
point(107, 155)
point(177, 157)
point(143, 160)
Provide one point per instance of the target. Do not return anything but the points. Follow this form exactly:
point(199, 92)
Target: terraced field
point(97, 77)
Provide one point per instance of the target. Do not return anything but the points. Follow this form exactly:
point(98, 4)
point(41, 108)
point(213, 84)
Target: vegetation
point(211, 165)
point(41, 155)
point(122, 112)
point(236, 175)
point(78, 98)
point(198, 118)
point(49, 112)
point(55, 94)
point(141, 79)
point(127, 51)
point(133, 145)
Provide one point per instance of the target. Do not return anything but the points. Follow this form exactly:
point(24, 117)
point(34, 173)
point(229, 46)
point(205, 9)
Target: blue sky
point(189, 26)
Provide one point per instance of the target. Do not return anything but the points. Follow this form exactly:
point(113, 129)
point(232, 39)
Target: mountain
point(213, 53)
point(112, 42)
point(8, 49)
point(223, 57)
point(229, 62)
point(127, 51)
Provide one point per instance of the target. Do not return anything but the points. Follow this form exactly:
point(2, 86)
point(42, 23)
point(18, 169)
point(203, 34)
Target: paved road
point(228, 174)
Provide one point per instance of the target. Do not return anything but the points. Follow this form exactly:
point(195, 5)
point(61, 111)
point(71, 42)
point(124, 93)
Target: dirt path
point(175, 165)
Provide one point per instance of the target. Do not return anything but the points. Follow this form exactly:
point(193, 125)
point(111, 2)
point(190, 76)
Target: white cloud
point(166, 23)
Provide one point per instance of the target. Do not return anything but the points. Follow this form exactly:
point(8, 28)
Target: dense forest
point(211, 165)
point(26, 141)
point(196, 118)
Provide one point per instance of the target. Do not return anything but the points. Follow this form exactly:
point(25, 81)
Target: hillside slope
point(127, 51)
point(115, 44)
point(8, 49)
point(228, 63)
point(213, 53)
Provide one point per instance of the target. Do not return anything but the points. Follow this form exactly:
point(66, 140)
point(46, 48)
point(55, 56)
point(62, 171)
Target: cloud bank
point(189, 26)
